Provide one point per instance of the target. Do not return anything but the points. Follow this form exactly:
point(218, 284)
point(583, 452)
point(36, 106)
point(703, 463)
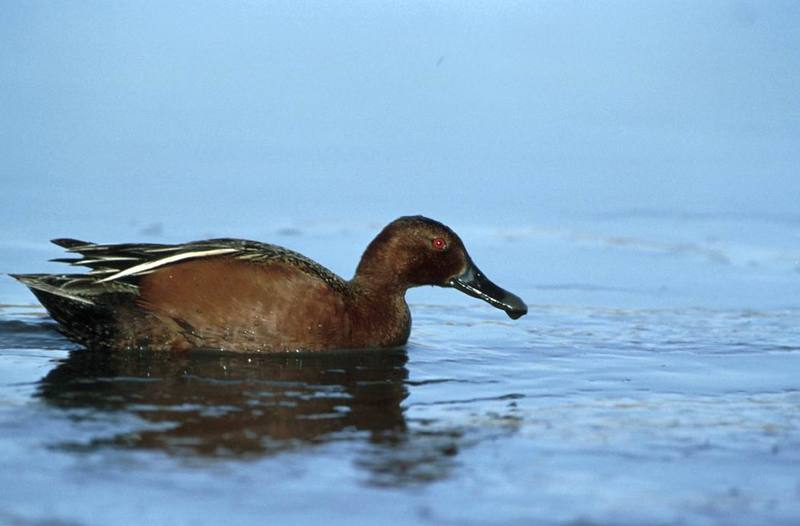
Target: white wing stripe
point(88, 261)
point(150, 265)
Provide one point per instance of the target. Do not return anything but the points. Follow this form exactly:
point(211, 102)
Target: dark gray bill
point(474, 283)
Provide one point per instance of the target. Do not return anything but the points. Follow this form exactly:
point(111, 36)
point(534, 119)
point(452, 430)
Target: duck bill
point(474, 283)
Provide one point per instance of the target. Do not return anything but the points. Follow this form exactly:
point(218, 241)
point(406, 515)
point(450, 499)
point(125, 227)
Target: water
point(607, 416)
point(630, 169)
point(650, 413)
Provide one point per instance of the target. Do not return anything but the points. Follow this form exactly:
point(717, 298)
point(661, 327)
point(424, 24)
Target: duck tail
point(52, 285)
point(76, 314)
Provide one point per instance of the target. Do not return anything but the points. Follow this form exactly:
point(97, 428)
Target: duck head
point(414, 250)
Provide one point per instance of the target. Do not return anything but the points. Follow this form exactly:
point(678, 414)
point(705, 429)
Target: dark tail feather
point(71, 261)
point(79, 318)
point(53, 284)
point(68, 243)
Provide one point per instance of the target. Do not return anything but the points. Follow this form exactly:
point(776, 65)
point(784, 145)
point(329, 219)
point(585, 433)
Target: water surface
point(606, 416)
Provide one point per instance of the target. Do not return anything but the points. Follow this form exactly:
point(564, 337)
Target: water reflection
point(205, 405)
point(216, 404)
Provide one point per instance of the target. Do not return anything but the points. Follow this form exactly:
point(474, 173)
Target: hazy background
point(659, 127)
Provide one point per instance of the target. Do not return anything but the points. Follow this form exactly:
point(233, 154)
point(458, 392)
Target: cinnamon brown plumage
point(241, 295)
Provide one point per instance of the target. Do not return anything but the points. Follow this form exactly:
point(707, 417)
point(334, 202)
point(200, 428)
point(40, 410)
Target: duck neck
point(379, 306)
point(378, 288)
point(379, 316)
point(380, 272)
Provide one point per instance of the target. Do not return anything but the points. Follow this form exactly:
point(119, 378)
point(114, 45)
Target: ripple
point(586, 399)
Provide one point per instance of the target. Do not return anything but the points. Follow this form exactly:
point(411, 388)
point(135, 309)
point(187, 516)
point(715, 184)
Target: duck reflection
point(204, 403)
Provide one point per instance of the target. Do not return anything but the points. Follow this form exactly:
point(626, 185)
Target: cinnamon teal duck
point(239, 295)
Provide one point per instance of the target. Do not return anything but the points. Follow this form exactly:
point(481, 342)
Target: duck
point(246, 296)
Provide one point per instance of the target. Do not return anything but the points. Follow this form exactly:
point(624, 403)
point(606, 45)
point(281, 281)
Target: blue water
point(630, 169)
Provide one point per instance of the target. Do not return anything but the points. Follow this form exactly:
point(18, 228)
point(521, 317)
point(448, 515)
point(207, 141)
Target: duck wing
point(118, 268)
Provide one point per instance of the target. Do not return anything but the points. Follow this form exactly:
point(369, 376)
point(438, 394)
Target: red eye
point(439, 243)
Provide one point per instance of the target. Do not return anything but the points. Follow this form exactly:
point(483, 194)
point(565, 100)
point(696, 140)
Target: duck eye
point(439, 243)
